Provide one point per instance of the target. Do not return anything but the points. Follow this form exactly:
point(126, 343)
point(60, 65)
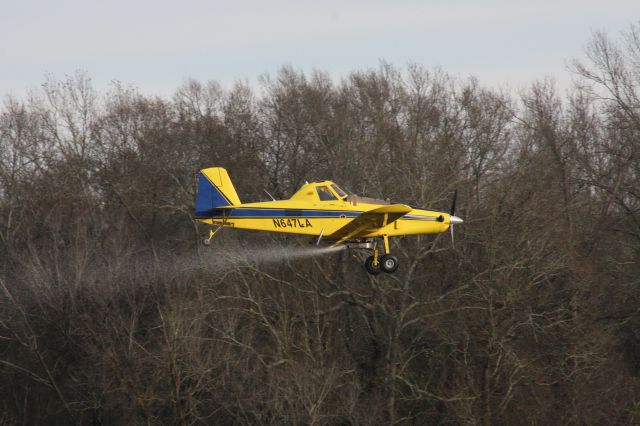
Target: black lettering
point(291, 223)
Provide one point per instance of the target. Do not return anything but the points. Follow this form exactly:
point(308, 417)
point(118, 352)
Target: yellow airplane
point(321, 210)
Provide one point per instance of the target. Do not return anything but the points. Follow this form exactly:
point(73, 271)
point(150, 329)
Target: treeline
point(113, 313)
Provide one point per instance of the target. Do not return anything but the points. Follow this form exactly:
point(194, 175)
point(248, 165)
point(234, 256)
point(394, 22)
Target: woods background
point(113, 313)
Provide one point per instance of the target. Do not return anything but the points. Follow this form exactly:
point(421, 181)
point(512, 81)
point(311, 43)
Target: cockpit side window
point(338, 191)
point(325, 194)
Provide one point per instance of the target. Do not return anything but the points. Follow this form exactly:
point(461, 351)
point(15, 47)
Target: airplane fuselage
point(322, 217)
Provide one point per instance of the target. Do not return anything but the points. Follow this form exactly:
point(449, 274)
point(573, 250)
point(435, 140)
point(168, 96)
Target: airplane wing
point(370, 220)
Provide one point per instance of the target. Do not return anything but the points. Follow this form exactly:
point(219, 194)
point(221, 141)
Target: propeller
point(453, 219)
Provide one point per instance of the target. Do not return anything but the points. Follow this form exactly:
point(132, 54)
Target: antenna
point(270, 196)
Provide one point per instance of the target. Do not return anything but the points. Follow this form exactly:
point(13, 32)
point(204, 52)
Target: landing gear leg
point(388, 263)
point(372, 264)
point(385, 240)
point(207, 241)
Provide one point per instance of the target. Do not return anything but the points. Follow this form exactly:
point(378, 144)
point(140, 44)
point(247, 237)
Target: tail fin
point(214, 190)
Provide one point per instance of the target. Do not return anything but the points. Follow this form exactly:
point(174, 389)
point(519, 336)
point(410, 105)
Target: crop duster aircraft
point(321, 210)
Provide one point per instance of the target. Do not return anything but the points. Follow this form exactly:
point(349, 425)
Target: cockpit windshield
point(324, 194)
point(338, 190)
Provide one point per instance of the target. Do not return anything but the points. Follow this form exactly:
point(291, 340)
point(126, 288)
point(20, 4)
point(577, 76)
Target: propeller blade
point(451, 229)
point(453, 203)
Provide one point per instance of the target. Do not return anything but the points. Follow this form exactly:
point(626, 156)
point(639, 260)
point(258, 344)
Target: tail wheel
point(389, 263)
point(371, 268)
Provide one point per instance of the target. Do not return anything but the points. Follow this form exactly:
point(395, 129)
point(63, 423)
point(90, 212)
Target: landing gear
point(371, 266)
point(207, 241)
point(387, 263)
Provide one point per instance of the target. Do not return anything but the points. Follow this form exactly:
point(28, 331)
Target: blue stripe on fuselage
point(244, 212)
point(249, 212)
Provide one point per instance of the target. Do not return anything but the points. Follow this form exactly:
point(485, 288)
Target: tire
point(389, 263)
point(206, 242)
point(369, 266)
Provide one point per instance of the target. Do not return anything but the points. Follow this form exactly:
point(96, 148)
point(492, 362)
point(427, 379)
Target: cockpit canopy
point(329, 191)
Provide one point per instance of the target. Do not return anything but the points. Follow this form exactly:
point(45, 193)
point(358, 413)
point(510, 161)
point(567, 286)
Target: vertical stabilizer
point(214, 190)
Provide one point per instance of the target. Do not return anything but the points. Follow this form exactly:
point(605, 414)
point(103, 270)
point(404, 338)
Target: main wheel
point(370, 267)
point(389, 263)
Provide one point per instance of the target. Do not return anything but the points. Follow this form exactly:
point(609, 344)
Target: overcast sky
point(156, 45)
